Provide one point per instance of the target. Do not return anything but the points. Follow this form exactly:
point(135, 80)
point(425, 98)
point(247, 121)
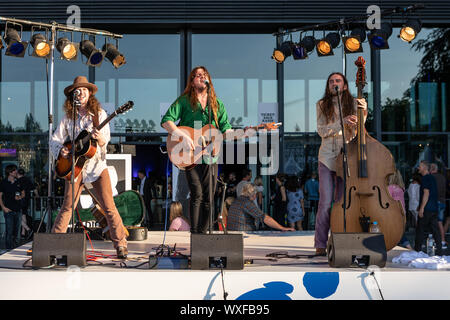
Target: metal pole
point(50, 132)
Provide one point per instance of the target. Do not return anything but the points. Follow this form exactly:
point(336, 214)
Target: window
point(150, 78)
point(418, 104)
point(24, 89)
point(242, 72)
point(305, 81)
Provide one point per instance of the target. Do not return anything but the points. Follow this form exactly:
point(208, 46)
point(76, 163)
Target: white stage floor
point(286, 278)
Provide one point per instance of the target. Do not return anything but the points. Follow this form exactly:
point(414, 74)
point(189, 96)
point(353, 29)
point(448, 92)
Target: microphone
point(76, 93)
point(336, 88)
point(207, 83)
point(76, 97)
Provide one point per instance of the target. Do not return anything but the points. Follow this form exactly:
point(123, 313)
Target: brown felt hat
point(80, 81)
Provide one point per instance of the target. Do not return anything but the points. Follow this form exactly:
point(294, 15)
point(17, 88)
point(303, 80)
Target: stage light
point(353, 42)
point(93, 55)
point(16, 47)
point(378, 38)
point(285, 50)
point(325, 46)
point(113, 55)
point(68, 49)
point(410, 30)
point(299, 52)
point(40, 45)
point(308, 43)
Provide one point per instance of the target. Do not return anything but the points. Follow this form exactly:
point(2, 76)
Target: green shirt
point(181, 110)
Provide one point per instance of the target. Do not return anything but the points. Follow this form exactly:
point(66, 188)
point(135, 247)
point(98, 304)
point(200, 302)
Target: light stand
point(344, 158)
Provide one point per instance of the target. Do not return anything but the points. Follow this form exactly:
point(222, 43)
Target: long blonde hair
point(190, 92)
point(176, 210)
point(258, 181)
point(397, 179)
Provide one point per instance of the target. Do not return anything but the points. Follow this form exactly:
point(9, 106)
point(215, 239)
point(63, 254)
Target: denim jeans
point(330, 188)
point(441, 212)
point(13, 222)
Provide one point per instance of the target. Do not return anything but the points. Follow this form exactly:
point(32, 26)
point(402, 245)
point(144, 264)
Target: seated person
point(244, 215)
point(177, 221)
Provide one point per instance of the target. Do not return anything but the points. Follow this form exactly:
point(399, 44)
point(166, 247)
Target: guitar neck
point(104, 123)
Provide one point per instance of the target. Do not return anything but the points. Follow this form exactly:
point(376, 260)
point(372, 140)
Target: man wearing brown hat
point(88, 115)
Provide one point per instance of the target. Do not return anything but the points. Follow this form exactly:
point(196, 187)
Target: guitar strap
point(95, 120)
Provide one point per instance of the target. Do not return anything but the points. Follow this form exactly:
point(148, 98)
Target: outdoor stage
point(300, 278)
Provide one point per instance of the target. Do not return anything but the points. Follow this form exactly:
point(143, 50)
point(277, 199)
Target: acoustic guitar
point(207, 142)
point(85, 147)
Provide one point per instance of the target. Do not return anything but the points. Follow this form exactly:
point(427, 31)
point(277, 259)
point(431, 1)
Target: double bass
point(367, 198)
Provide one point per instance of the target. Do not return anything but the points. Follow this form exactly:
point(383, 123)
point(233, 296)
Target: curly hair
point(326, 103)
point(93, 105)
point(190, 92)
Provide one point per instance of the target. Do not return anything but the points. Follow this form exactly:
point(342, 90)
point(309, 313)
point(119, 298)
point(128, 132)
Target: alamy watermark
point(74, 19)
point(374, 20)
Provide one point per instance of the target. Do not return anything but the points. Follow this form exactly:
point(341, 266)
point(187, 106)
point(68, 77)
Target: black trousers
point(199, 186)
point(429, 222)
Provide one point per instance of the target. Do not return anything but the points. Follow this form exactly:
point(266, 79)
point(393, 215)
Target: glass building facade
point(408, 105)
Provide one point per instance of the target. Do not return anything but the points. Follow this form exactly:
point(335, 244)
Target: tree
point(435, 63)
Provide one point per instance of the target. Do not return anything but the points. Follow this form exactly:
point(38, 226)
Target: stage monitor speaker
point(62, 249)
point(215, 251)
point(356, 250)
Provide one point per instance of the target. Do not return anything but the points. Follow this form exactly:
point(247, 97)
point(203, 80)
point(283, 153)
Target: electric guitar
point(207, 141)
point(85, 147)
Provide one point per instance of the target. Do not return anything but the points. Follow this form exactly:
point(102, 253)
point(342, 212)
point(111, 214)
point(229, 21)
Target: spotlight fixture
point(68, 49)
point(93, 55)
point(285, 50)
point(41, 46)
point(16, 47)
point(325, 46)
point(299, 52)
point(353, 42)
point(308, 43)
point(378, 38)
point(113, 55)
point(410, 30)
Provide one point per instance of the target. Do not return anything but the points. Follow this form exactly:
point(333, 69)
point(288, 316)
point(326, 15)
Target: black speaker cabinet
point(60, 248)
point(356, 249)
point(215, 251)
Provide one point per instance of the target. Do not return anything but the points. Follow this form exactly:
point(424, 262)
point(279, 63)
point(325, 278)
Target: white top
point(141, 187)
point(331, 135)
point(414, 196)
point(93, 167)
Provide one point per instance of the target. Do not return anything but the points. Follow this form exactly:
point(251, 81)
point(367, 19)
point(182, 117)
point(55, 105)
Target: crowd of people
point(293, 203)
point(16, 190)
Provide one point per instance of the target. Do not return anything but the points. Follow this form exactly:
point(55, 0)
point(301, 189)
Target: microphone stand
point(344, 158)
point(220, 218)
point(76, 104)
point(211, 173)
